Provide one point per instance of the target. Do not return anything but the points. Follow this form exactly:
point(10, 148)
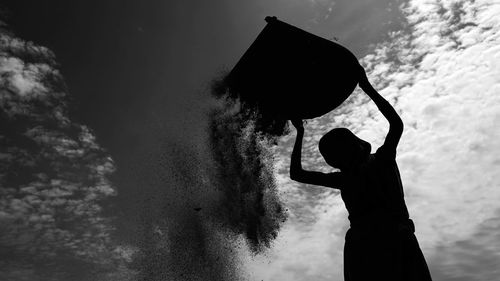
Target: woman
point(380, 244)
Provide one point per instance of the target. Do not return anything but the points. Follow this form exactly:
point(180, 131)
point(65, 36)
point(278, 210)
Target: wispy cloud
point(53, 174)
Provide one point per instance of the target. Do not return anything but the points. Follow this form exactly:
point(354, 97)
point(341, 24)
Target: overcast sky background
point(136, 74)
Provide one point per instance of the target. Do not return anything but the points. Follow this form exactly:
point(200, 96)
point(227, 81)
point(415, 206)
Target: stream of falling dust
point(219, 201)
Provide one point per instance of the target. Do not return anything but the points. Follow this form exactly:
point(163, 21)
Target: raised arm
point(298, 174)
point(395, 122)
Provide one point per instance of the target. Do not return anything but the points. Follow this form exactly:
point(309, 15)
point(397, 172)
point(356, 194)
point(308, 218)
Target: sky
point(123, 81)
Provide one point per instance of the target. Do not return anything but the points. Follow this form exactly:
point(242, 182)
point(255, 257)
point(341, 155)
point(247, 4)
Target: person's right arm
point(297, 173)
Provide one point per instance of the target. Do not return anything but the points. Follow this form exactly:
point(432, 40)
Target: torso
point(375, 189)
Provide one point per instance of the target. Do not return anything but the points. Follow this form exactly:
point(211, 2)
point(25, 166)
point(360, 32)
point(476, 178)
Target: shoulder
point(385, 154)
point(336, 179)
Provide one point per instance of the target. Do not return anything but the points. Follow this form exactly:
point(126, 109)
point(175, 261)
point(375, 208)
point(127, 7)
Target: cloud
point(475, 258)
point(442, 73)
point(451, 107)
point(53, 175)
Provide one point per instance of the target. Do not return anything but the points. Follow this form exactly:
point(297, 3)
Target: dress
point(380, 244)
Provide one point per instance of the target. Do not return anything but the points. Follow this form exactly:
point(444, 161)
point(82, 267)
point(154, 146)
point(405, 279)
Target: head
point(342, 149)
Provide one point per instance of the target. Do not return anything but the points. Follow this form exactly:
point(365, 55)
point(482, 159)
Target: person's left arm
point(395, 123)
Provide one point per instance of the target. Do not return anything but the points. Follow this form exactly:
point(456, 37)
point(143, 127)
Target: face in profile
point(343, 150)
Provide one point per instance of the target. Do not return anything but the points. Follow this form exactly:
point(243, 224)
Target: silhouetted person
point(380, 244)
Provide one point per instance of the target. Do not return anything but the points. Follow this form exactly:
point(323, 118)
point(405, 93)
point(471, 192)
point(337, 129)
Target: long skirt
point(384, 253)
